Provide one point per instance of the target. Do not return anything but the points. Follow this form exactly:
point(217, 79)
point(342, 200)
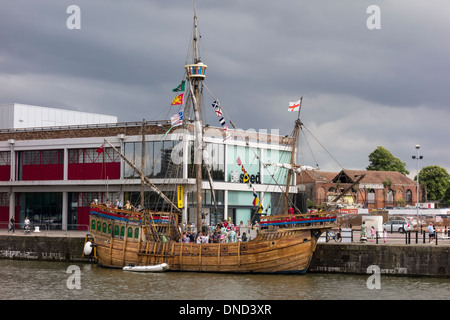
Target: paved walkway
point(46, 233)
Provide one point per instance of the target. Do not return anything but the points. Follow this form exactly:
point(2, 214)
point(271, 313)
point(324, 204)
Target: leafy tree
point(382, 160)
point(447, 197)
point(436, 180)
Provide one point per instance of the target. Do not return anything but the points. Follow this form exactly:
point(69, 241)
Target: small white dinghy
point(154, 268)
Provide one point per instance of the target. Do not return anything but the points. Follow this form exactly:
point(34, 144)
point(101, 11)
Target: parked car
point(397, 226)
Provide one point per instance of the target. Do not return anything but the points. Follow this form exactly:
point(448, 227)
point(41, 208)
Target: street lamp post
point(417, 188)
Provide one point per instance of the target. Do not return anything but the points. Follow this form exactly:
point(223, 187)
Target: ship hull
point(282, 250)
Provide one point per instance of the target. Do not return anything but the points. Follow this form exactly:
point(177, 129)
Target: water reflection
point(48, 281)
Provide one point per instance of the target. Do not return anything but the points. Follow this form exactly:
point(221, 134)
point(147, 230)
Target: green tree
point(436, 180)
point(382, 160)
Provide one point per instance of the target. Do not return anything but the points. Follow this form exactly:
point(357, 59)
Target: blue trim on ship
point(112, 217)
point(294, 222)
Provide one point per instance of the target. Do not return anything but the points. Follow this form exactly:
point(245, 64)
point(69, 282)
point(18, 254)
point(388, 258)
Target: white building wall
point(18, 116)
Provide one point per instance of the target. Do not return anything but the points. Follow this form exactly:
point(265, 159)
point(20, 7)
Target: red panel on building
point(4, 210)
point(42, 172)
point(83, 218)
point(5, 173)
point(94, 171)
point(41, 165)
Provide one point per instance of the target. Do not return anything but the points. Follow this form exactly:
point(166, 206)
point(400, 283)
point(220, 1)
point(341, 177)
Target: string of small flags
point(246, 179)
point(222, 122)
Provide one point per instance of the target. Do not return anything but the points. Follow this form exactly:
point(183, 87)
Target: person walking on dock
point(12, 225)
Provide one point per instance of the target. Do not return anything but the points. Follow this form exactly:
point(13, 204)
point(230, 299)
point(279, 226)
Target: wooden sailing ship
point(284, 243)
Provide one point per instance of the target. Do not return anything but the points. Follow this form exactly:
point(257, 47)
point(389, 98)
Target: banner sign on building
point(180, 196)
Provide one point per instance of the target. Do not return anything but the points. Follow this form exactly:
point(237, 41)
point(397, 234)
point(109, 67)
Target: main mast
point(195, 74)
point(293, 156)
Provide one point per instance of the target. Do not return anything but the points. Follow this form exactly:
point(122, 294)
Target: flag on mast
point(177, 119)
point(180, 87)
point(177, 100)
point(100, 150)
point(294, 106)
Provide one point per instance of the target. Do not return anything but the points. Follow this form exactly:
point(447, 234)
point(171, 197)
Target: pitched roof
point(317, 176)
point(377, 177)
point(350, 176)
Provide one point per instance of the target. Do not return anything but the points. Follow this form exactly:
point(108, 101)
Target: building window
point(371, 196)
point(216, 157)
point(390, 196)
point(88, 164)
point(409, 199)
point(40, 165)
point(42, 157)
point(275, 174)
point(41, 208)
point(5, 165)
point(158, 159)
point(4, 199)
point(86, 198)
point(92, 156)
point(5, 158)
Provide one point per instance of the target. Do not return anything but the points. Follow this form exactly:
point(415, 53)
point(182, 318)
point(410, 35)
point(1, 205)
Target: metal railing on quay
point(353, 235)
point(49, 229)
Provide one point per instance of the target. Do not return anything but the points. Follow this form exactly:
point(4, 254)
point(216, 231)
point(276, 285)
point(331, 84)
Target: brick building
point(378, 189)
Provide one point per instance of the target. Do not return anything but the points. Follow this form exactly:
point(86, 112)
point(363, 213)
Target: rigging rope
point(248, 145)
point(323, 147)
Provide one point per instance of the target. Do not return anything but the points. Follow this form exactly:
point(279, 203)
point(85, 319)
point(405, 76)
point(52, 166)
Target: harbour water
point(38, 280)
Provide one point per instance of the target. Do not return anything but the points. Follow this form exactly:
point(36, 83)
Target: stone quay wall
point(396, 259)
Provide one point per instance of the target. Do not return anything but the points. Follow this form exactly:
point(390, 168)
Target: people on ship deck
point(129, 206)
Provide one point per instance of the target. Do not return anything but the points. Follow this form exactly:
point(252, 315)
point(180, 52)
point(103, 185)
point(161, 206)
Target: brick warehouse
point(378, 189)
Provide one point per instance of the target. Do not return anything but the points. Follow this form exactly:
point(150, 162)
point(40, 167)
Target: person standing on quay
point(12, 225)
point(431, 231)
point(372, 234)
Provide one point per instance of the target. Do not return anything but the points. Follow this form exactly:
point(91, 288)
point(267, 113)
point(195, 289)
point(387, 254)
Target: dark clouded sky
point(362, 88)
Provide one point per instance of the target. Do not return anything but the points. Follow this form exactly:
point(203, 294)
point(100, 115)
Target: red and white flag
point(294, 106)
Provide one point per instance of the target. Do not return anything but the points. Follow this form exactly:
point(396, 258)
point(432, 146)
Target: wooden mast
point(143, 164)
point(294, 152)
point(195, 73)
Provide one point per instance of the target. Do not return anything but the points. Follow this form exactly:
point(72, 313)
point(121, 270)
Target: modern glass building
point(52, 174)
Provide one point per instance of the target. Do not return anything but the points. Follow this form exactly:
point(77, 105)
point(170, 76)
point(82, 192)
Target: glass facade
point(158, 159)
point(91, 169)
point(41, 207)
point(249, 160)
point(276, 175)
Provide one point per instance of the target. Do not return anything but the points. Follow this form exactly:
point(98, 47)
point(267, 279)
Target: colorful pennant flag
point(246, 179)
point(178, 100)
point(177, 119)
point(222, 122)
point(180, 87)
point(294, 106)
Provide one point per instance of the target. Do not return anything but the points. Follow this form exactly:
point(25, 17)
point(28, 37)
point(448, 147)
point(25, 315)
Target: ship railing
point(310, 219)
point(104, 207)
point(159, 217)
